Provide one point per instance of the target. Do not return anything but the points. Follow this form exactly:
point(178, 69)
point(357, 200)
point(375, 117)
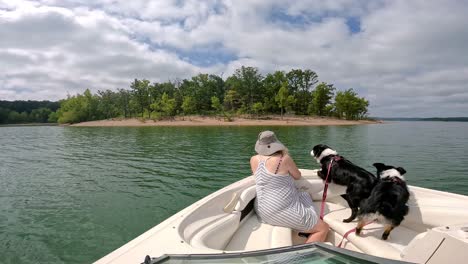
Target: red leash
point(351, 231)
point(325, 188)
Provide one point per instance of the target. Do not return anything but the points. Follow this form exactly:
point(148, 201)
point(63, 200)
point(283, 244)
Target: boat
point(224, 224)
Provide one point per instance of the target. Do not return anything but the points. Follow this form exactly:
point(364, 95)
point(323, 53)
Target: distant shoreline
point(429, 119)
point(188, 121)
point(29, 124)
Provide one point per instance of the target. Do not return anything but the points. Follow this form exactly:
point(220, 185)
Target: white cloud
point(52, 51)
point(409, 58)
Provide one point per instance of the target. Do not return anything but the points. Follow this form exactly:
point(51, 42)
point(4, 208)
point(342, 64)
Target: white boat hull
point(213, 225)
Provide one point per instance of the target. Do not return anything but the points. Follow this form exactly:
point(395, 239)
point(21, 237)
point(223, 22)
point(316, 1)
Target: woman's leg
point(318, 232)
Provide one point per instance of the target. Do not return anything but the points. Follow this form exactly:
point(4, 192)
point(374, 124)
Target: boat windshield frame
point(364, 258)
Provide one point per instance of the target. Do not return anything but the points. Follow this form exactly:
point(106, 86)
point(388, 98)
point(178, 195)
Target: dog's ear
point(379, 166)
point(317, 150)
point(401, 170)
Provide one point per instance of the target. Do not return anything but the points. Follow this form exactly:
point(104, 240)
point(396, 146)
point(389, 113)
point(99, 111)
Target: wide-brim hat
point(267, 143)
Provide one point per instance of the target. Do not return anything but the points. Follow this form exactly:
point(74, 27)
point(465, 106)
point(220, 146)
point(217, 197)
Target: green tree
point(40, 115)
point(157, 90)
point(282, 97)
point(247, 82)
point(290, 103)
point(189, 105)
point(27, 106)
point(78, 108)
point(304, 94)
point(322, 96)
point(310, 78)
point(4, 115)
point(72, 110)
point(17, 118)
point(257, 108)
point(53, 117)
point(301, 83)
point(216, 104)
point(206, 87)
point(91, 103)
point(202, 87)
point(167, 105)
point(246, 91)
point(123, 102)
point(141, 95)
point(108, 104)
point(349, 106)
point(232, 100)
point(272, 83)
point(294, 78)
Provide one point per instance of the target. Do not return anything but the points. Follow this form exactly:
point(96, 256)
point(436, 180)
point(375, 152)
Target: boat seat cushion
point(230, 233)
point(245, 197)
point(370, 240)
point(217, 234)
point(254, 235)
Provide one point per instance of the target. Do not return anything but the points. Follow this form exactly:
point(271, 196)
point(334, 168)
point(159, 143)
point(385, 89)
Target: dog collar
point(337, 158)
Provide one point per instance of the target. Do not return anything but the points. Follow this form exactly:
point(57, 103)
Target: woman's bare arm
point(253, 163)
point(292, 168)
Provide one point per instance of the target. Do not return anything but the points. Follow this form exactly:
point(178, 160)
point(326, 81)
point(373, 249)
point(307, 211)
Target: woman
point(278, 201)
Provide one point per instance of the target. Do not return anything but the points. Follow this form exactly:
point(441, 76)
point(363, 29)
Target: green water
point(72, 194)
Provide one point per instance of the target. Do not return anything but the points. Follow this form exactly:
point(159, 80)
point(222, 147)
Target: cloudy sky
point(408, 58)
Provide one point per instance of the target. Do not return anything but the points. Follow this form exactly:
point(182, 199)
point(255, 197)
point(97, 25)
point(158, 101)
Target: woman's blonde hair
point(283, 152)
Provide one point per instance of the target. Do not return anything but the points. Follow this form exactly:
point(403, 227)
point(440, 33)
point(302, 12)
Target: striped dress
point(279, 203)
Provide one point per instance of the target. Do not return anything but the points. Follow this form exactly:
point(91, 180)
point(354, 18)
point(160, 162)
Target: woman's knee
point(326, 225)
point(326, 228)
point(322, 226)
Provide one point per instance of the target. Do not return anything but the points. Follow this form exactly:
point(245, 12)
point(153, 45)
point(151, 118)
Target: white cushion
point(195, 226)
point(228, 233)
point(370, 239)
point(217, 234)
point(254, 235)
point(245, 197)
point(413, 243)
point(315, 188)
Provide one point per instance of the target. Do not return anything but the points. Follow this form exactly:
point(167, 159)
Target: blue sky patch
point(354, 24)
point(205, 56)
point(279, 16)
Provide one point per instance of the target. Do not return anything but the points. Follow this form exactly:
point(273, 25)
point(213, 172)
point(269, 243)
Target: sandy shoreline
point(212, 121)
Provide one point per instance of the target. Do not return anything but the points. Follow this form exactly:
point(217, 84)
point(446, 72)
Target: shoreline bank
point(218, 121)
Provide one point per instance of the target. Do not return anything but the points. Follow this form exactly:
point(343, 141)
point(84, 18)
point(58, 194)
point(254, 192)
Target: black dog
point(358, 181)
point(388, 199)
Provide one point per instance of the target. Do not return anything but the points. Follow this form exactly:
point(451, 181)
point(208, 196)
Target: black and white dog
point(388, 199)
point(358, 181)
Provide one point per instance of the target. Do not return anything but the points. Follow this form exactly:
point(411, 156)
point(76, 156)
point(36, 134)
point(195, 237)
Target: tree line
point(246, 92)
point(18, 112)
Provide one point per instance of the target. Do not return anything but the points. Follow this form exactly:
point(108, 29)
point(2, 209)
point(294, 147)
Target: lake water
point(73, 194)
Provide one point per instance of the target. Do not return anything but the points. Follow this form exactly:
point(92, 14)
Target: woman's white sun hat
point(267, 143)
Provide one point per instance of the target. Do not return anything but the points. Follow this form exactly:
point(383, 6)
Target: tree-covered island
point(246, 92)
